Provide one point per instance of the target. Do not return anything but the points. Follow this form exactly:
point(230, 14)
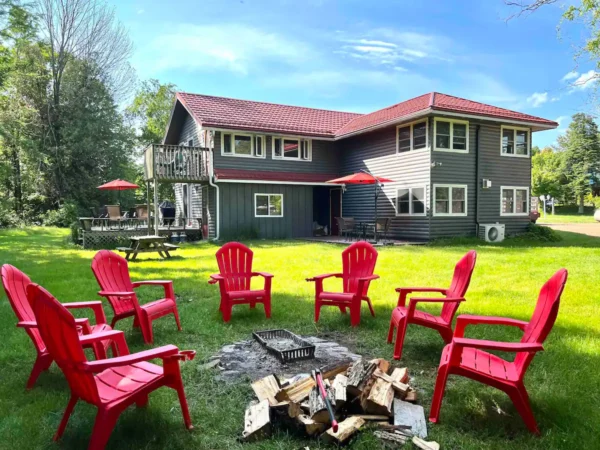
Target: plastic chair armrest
point(326, 275)
point(466, 319)
point(262, 274)
point(422, 289)
point(118, 337)
point(95, 306)
point(500, 346)
point(369, 278)
point(27, 324)
point(151, 283)
point(147, 355)
point(116, 294)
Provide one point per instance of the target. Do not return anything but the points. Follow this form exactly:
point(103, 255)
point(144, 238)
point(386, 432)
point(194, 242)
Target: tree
point(581, 145)
point(547, 177)
point(151, 110)
point(586, 12)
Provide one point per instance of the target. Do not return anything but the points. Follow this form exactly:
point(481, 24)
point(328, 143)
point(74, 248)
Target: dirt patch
point(249, 359)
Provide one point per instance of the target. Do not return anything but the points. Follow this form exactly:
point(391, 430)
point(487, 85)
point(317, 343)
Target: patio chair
point(141, 213)
point(358, 265)
point(15, 285)
point(114, 215)
point(346, 227)
point(111, 385)
point(382, 227)
point(235, 267)
point(452, 297)
point(112, 273)
point(469, 358)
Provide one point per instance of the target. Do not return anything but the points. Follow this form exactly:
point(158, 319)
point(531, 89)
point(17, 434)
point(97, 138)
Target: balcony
point(176, 164)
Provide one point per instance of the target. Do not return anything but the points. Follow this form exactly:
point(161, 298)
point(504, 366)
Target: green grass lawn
point(563, 381)
point(568, 214)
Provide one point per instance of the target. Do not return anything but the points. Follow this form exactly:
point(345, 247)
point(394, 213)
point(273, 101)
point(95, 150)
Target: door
point(335, 209)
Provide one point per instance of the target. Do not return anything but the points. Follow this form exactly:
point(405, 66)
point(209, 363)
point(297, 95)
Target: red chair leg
point(176, 314)
point(267, 304)
point(370, 307)
point(227, 311)
point(252, 305)
point(317, 309)
point(343, 309)
point(184, 405)
point(400, 333)
point(99, 350)
point(63, 423)
point(521, 401)
point(355, 313)
point(142, 401)
point(146, 327)
point(42, 363)
point(390, 337)
point(446, 334)
point(103, 427)
point(438, 394)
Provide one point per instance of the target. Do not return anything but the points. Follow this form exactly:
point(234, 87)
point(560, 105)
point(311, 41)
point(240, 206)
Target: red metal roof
point(293, 177)
point(221, 112)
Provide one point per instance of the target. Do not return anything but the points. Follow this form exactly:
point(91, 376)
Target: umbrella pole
point(148, 205)
point(376, 194)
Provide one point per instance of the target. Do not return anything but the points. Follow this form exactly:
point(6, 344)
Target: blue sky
point(358, 55)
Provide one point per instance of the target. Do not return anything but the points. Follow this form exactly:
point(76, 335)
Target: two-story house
point(455, 164)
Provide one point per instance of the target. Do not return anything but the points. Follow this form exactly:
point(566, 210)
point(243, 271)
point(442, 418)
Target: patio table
point(146, 244)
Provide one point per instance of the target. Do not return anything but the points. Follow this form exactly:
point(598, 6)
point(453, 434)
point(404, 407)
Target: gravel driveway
point(591, 229)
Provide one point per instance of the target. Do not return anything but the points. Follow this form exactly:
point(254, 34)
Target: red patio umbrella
point(364, 178)
point(118, 185)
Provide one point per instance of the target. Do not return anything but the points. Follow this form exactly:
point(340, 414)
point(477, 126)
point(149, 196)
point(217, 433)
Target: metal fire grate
point(293, 350)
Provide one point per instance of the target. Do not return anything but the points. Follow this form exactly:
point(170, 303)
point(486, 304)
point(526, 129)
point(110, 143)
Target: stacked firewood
point(361, 393)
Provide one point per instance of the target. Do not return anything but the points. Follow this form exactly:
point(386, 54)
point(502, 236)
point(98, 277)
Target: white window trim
point(263, 140)
point(452, 122)
point(235, 155)
point(268, 203)
point(410, 202)
point(411, 125)
point(450, 186)
point(291, 138)
point(514, 155)
point(514, 189)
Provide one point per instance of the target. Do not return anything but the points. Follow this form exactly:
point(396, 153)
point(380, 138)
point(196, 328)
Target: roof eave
point(224, 127)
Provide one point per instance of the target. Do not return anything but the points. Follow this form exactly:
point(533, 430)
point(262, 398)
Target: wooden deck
point(345, 241)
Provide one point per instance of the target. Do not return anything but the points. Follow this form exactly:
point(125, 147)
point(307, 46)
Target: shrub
point(8, 218)
point(62, 217)
point(540, 233)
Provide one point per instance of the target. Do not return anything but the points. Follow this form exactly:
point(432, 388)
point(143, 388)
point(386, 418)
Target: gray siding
point(325, 159)
point(189, 130)
point(376, 152)
point(237, 211)
point(503, 171)
point(458, 168)
point(455, 168)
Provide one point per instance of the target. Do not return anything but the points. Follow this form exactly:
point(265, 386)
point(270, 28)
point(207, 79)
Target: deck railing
point(176, 163)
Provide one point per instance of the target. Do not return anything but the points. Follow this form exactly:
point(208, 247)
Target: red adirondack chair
point(112, 273)
point(453, 296)
point(235, 267)
point(468, 358)
point(109, 384)
point(358, 265)
point(15, 285)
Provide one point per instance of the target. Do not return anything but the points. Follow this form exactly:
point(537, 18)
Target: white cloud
point(586, 80)
point(561, 119)
point(387, 46)
point(232, 47)
point(570, 76)
point(537, 99)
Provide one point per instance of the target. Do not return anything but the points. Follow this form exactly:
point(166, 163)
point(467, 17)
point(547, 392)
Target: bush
point(62, 217)
point(540, 233)
point(8, 218)
point(75, 232)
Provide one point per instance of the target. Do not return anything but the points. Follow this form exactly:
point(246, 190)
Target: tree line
point(64, 78)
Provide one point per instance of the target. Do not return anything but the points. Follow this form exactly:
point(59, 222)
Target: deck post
point(155, 207)
point(148, 205)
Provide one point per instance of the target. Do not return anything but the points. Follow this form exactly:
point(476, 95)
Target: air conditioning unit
point(493, 232)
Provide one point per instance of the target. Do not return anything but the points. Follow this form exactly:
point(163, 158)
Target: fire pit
point(285, 345)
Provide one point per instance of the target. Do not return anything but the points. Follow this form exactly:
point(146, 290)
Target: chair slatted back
point(461, 279)
point(544, 316)
point(15, 285)
point(58, 329)
point(112, 273)
point(235, 264)
point(113, 211)
point(358, 260)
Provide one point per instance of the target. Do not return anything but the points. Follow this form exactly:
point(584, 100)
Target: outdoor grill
point(285, 345)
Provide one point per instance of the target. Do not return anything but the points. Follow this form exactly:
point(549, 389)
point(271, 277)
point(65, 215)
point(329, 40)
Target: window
point(514, 201)
point(449, 200)
point(451, 135)
point(292, 148)
point(411, 137)
point(243, 145)
point(190, 142)
point(515, 142)
point(410, 201)
point(268, 205)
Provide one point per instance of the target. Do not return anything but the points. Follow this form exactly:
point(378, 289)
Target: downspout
point(477, 178)
point(213, 184)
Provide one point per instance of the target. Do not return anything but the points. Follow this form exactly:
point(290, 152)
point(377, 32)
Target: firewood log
point(400, 375)
point(257, 424)
point(401, 388)
point(339, 386)
point(266, 389)
point(346, 430)
point(391, 437)
point(359, 375)
point(298, 391)
point(382, 364)
point(311, 427)
point(425, 445)
point(380, 398)
point(318, 409)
